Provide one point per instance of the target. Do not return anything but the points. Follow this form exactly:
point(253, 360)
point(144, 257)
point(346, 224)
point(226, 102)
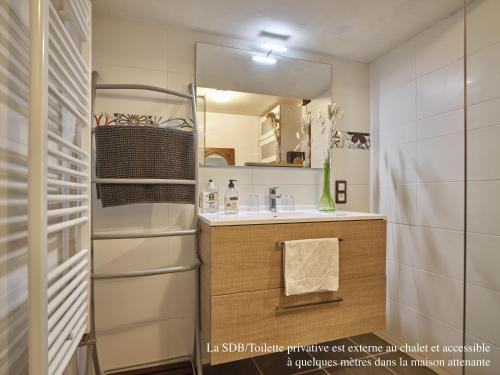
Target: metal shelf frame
point(196, 359)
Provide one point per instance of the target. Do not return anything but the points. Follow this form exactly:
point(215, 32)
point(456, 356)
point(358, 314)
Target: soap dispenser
point(211, 198)
point(231, 199)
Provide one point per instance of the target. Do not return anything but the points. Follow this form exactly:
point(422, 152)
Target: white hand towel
point(311, 266)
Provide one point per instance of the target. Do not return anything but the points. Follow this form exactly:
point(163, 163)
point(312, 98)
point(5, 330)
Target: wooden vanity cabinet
point(242, 298)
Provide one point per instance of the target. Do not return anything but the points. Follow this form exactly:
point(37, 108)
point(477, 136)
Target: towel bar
point(280, 245)
point(289, 308)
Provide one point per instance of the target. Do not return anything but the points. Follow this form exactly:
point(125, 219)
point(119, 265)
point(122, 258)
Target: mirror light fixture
point(264, 59)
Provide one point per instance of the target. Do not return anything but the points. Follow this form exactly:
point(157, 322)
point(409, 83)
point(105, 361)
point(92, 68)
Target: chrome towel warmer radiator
point(195, 359)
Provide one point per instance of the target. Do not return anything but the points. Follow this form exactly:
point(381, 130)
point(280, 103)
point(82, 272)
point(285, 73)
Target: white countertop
point(299, 216)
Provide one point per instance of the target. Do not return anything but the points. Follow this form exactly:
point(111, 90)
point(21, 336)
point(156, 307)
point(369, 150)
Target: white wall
point(483, 179)
point(417, 122)
point(240, 132)
point(134, 326)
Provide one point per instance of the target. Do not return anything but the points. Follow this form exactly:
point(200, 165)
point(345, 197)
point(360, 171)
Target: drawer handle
point(290, 308)
point(280, 245)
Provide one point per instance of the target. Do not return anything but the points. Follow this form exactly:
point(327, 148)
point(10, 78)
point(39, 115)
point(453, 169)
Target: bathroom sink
point(266, 217)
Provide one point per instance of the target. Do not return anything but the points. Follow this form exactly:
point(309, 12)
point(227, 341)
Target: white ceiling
point(360, 30)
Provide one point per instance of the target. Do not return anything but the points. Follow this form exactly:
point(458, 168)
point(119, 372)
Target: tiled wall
point(417, 177)
point(483, 179)
point(134, 326)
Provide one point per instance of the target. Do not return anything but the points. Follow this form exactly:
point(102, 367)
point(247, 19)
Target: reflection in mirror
point(249, 129)
point(253, 113)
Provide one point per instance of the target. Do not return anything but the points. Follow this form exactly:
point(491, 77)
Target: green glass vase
point(326, 203)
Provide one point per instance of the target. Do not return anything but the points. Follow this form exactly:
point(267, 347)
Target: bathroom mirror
point(251, 106)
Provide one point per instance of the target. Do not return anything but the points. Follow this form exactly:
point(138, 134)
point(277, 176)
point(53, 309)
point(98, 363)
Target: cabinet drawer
point(244, 258)
point(252, 317)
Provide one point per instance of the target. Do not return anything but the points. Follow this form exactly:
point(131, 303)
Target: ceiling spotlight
point(220, 96)
point(273, 47)
point(264, 59)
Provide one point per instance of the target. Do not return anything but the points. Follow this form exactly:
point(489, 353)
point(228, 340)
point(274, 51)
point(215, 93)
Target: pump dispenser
point(210, 198)
point(231, 199)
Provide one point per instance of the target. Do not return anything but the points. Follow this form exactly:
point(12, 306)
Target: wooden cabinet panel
point(252, 317)
point(244, 258)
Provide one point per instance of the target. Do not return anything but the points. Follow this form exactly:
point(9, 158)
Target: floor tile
point(345, 344)
point(278, 363)
point(242, 367)
point(373, 341)
point(179, 371)
point(405, 370)
point(359, 370)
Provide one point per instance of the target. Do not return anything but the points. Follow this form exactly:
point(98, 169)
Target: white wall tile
point(357, 167)
point(398, 106)
point(121, 303)
point(483, 82)
point(115, 42)
point(482, 151)
point(441, 91)
point(118, 218)
point(180, 333)
point(441, 159)
point(434, 250)
point(399, 203)
point(483, 306)
point(483, 207)
point(429, 293)
point(396, 136)
point(483, 258)
point(221, 176)
point(396, 67)
point(402, 163)
point(130, 101)
point(358, 198)
point(442, 124)
point(411, 327)
point(135, 344)
point(287, 176)
point(483, 114)
point(339, 165)
point(180, 49)
point(493, 356)
point(483, 28)
point(441, 205)
point(440, 44)
point(303, 194)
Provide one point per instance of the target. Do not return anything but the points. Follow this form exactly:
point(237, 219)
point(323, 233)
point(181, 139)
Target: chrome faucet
point(273, 196)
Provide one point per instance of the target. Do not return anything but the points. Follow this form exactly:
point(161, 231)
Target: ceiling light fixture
point(273, 47)
point(264, 59)
point(220, 96)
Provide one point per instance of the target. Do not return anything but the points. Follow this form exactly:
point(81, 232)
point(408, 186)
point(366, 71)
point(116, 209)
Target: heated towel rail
point(195, 359)
point(58, 182)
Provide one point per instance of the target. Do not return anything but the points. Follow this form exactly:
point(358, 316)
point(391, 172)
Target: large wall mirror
point(252, 107)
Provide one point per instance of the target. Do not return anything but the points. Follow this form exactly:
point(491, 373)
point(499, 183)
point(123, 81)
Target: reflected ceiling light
point(220, 96)
point(273, 47)
point(264, 59)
